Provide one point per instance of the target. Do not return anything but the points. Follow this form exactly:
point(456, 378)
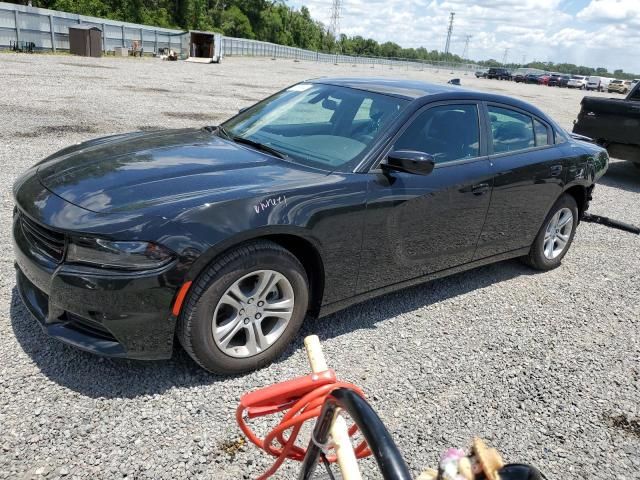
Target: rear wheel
point(555, 236)
point(244, 309)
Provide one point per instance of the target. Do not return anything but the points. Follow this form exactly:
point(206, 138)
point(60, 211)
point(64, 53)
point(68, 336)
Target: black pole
point(390, 461)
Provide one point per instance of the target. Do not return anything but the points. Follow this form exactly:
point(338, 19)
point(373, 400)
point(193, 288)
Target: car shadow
point(374, 311)
point(99, 377)
point(623, 175)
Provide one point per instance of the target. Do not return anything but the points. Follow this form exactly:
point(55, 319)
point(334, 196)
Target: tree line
point(273, 21)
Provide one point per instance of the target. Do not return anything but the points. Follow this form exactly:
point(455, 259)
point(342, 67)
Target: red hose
point(302, 399)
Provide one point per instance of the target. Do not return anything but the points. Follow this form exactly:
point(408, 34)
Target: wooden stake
point(339, 433)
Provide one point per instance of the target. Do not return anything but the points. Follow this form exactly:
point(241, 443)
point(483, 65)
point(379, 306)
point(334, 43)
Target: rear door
point(419, 224)
point(529, 172)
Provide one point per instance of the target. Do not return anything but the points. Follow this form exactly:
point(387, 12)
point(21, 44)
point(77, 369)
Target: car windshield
point(318, 125)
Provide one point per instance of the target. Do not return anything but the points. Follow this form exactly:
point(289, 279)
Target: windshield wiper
point(259, 146)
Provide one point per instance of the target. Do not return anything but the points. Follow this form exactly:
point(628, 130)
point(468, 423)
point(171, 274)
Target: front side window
point(511, 130)
point(447, 132)
point(323, 126)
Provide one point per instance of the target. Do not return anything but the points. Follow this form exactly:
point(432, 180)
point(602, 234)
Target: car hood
point(141, 171)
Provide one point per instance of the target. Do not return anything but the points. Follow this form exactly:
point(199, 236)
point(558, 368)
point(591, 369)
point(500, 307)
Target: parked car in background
point(482, 73)
point(613, 123)
point(519, 77)
point(599, 84)
point(323, 195)
point(619, 86)
point(544, 79)
point(554, 78)
point(531, 78)
point(499, 74)
point(577, 81)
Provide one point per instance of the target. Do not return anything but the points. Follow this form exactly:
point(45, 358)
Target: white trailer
point(202, 47)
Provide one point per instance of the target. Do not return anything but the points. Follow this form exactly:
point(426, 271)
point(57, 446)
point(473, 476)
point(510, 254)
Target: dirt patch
point(134, 88)
point(624, 423)
point(148, 128)
point(189, 115)
point(90, 77)
point(57, 129)
point(232, 447)
point(86, 65)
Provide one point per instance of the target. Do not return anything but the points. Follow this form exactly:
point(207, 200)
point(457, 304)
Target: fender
point(230, 242)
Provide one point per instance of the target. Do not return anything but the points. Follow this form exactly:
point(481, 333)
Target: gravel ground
point(545, 366)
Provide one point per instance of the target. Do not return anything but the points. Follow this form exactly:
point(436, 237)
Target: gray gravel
point(545, 366)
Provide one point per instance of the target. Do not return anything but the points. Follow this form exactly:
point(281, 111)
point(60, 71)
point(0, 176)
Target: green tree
point(235, 23)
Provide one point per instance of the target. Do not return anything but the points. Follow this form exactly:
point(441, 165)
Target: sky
point(595, 33)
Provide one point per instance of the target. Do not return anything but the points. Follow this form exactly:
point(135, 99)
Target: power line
point(448, 44)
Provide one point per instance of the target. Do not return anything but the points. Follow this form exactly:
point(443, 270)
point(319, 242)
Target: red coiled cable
point(302, 399)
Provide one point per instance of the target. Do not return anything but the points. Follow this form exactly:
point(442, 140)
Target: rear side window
point(447, 132)
point(541, 133)
point(511, 130)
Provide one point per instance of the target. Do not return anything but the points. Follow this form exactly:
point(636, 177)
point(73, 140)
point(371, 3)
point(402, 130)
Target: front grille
point(46, 241)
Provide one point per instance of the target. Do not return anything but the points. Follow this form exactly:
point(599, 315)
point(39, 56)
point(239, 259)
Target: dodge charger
point(325, 194)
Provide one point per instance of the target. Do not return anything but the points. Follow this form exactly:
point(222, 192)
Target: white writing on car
point(269, 202)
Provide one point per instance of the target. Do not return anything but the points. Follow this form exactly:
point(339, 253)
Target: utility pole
point(504, 57)
point(334, 23)
point(465, 52)
point(524, 59)
point(448, 44)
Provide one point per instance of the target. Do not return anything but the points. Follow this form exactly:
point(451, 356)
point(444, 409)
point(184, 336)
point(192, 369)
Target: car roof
point(416, 90)
point(411, 89)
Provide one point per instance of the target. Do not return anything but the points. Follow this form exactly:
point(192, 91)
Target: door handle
point(556, 170)
point(480, 188)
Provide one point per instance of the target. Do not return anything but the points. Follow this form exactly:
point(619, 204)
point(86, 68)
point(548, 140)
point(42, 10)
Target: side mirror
point(330, 104)
point(409, 161)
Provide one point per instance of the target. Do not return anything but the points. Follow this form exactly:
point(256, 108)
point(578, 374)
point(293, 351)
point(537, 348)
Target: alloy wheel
point(558, 233)
point(253, 313)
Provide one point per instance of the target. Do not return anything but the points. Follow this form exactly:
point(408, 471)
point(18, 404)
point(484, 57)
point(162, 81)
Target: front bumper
point(102, 312)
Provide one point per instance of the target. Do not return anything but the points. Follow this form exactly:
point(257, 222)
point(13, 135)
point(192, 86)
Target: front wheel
point(244, 310)
point(555, 236)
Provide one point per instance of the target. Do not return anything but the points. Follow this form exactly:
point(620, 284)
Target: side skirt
point(342, 304)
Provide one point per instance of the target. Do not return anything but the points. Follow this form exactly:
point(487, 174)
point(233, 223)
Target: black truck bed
point(613, 123)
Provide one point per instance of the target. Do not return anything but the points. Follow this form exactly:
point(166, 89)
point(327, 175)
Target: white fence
point(48, 30)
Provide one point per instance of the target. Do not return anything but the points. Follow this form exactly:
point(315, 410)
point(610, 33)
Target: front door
point(420, 224)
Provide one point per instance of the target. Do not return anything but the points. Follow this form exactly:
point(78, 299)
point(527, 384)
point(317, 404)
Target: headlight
point(118, 255)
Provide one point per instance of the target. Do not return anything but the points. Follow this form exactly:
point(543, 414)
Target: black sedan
point(325, 194)
point(532, 78)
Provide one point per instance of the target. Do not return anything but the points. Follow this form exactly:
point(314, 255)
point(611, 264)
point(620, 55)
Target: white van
point(598, 83)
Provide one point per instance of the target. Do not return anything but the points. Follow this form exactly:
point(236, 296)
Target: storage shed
point(85, 40)
point(202, 47)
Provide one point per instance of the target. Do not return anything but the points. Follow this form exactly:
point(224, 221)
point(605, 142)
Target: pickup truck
point(613, 123)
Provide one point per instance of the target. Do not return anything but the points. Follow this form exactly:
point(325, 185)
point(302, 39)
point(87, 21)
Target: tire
point(544, 259)
point(242, 267)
